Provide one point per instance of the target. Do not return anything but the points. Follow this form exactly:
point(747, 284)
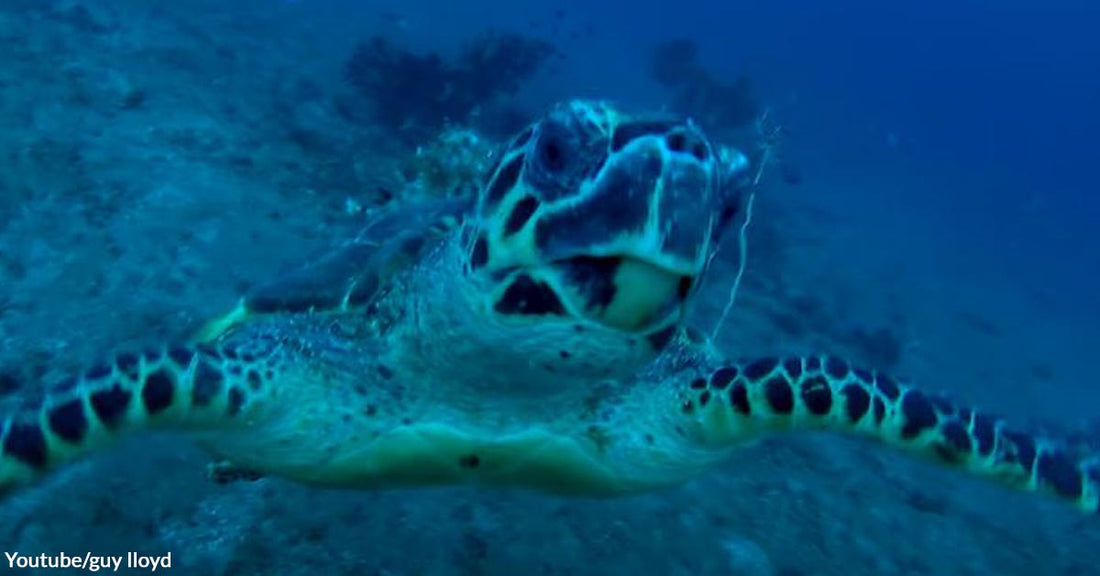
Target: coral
point(721, 106)
point(675, 63)
point(403, 86)
point(420, 93)
point(499, 63)
point(696, 92)
point(452, 164)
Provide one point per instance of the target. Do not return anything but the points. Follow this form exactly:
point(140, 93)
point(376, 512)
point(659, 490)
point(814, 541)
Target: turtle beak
point(623, 292)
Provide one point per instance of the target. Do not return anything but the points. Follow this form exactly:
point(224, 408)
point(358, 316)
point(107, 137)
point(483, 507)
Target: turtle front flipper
point(350, 276)
point(188, 388)
point(702, 407)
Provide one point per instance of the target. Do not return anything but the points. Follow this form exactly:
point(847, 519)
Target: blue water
point(958, 138)
point(948, 154)
point(974, 122)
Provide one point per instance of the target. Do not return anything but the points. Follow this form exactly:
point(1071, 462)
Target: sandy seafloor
point(154, 163)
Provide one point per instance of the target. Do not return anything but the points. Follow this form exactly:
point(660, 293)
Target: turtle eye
point(563, 152)
point(551, 154)
point(552, 149)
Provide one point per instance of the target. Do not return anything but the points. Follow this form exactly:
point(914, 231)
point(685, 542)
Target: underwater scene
point(426, 288)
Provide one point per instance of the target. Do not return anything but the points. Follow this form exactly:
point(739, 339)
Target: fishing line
point(743, 236)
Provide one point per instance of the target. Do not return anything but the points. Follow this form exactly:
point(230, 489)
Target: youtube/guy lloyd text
point(89, 562)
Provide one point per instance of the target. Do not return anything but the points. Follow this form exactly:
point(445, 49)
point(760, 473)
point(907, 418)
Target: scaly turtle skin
point(539, 344)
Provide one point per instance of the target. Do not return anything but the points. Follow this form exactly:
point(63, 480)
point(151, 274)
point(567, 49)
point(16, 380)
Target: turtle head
point(596, 215)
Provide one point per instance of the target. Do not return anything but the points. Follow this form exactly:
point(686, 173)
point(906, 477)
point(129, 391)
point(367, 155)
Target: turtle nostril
point(676, 142)
point(684, 289)
point(684, 143)
point(699, 150)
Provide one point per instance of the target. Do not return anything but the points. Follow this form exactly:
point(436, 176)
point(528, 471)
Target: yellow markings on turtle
point(436, 454)
point(642, 292)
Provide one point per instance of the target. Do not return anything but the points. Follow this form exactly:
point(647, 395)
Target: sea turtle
point(532, 337)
